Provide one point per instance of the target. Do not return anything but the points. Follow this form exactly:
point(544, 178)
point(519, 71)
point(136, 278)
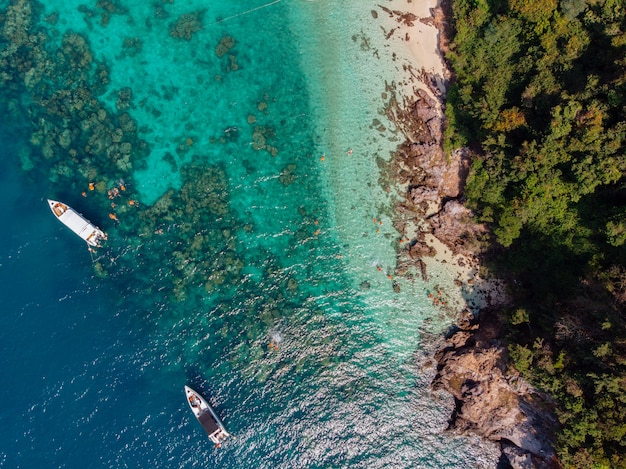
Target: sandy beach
point(415, 28)
point(423, 37)
point(455, 273)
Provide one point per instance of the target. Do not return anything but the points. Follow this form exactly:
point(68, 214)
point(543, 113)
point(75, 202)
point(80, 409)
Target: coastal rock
point(454, 225)
point(435, 181)
point(467, 321)
point(444, 176)
point(455, 174)
point(472, 365)
point(473, 368)
point(517, 458)
point(420, 121)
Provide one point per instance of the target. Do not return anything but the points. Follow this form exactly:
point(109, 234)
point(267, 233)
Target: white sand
point(461, 281)
point(457, 276)
point(421, 40)
point(424, 39)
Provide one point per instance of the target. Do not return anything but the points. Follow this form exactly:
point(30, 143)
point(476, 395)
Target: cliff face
point(472, 365)
point(493, 402)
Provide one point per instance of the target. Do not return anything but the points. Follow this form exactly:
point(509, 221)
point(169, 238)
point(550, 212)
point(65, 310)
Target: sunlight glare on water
point(242, 263)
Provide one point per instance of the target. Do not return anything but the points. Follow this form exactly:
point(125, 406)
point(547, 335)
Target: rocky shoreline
point(491, 398)
point(472, 365)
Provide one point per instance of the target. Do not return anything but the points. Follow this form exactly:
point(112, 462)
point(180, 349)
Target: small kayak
point(207, 417)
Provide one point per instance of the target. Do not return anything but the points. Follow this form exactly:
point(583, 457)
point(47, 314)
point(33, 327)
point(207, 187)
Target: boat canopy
point(208, 423)
point(77, 224)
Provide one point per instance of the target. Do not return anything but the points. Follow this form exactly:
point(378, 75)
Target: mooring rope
point(248, 11)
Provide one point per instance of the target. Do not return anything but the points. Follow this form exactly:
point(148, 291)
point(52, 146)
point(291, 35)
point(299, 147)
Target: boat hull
point(206, 416)
point(87, 231)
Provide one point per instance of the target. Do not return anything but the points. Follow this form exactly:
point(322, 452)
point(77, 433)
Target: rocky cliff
point(491, 399)
point(434, 181)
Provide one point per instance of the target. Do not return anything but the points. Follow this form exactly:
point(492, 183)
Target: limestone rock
point(455, 174)
point(435, 181)
point(518, 459)
point(473, 368)
point(454, 225)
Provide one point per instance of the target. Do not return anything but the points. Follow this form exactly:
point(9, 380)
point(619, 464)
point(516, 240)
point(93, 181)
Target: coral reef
point(82, 147)
point(225, 45)
point(74, 134)
point(288, 175)
point(204, 254)
point(186, 25)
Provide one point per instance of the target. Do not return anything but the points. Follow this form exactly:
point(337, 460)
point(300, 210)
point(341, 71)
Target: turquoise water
point(243, 257)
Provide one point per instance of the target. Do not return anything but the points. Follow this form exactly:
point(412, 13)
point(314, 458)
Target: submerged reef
point(225, 45)
point(186, 25)
point(189, 247)
point(82, 148)
point(192, 228)
point(73, 136)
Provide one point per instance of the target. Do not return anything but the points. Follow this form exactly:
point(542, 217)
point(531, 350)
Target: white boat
point(77, 223)
point(207, 417)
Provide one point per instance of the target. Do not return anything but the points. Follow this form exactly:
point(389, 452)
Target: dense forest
point(539, 96)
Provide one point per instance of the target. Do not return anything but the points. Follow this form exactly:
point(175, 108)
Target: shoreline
point(433, 218)
point(439, 232)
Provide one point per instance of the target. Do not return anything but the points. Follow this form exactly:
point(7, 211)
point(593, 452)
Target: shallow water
point(246, 209)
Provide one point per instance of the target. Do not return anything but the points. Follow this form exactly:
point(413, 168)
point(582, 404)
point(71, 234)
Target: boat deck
point(208, 423)
point(77, 223)
point(58, 208)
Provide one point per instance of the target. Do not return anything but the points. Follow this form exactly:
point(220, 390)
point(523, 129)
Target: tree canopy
point(539, 95)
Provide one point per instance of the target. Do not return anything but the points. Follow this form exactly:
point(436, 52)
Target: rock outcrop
point(492, 401)
point(434, 181)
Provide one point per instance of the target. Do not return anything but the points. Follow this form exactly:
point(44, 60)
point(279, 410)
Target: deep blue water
point(231, 234)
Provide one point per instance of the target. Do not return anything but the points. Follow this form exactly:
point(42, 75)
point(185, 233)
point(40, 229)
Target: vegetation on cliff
point(540, 97)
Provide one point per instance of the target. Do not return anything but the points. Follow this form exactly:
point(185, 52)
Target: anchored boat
point(207, 417)
point(77, 223)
